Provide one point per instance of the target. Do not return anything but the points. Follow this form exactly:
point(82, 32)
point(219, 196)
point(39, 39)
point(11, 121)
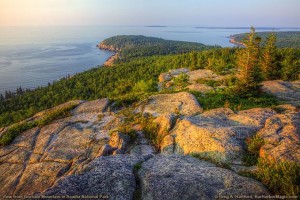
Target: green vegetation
point(12, 132)
point(134, 80)
point(249, 74)
point(227, 98)
point(181, 81)
point(133, 46)
point(145, 122)
point(288, 39)
point(253, 146)
point(281, 177)
point(55, 114)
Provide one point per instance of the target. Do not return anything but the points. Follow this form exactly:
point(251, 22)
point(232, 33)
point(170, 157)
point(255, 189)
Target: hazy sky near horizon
point(150, 12)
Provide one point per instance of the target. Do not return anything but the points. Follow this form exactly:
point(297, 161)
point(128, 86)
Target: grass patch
point(217, 99)
point(280, 177)
point(209, 82)
point(55, 114)
point(211, 160)
point(13, 131)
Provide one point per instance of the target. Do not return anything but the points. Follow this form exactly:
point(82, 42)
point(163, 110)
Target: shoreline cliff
point(110, 61)
point(233, 41)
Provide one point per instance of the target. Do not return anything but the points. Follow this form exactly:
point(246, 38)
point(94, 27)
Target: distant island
point(244, 28)
point(156, 26)
point(285, 39)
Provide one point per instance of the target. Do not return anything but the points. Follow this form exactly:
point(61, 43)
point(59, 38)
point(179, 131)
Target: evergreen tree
point(267, 63)
point(249, 75)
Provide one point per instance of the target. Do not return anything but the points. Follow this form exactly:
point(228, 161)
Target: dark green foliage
point(290, 39)
point(289, 63)
point(253, 146)
point(133, 46)
point(13, 131)
point(228, 98)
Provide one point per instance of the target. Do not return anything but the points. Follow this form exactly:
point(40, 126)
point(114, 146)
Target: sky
point(272, 13)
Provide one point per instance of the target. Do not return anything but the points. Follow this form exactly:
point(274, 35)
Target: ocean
point(35, 56)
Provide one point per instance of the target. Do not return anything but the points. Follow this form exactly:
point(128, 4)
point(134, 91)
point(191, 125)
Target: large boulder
point(98, 105)
point(182, 103)
point(107, 177)
point(218, 134)
point(283, 90)
point(281, 135)
point(183, 177)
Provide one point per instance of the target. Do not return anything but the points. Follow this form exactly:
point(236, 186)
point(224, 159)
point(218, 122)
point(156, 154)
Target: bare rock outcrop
point(281, 135)
point(183, 177)
point(39, 156)
point(218, 134)
point(107, 177)
point(283, 90)
point(182, 103)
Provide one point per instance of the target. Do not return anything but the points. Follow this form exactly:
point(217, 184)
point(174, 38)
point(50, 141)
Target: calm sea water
point(34, 56)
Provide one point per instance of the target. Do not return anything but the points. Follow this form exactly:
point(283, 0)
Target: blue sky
point(150, 12)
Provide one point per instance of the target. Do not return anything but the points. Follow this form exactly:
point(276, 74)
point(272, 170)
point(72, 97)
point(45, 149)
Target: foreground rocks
point(110, 177)
point(87, 154)
point(39, 156)
point(281, 135)
point(183, 177)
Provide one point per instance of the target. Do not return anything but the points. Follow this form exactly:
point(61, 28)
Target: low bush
point(13, 131)
point(253, 146)
point(55, 114)
point(217, 99)
point(281, 177)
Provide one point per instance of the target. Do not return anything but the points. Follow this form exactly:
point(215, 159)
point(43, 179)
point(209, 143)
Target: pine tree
point(249, 75)
point(267, 63)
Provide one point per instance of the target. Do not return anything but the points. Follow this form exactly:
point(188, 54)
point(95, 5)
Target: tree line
point(133, 80)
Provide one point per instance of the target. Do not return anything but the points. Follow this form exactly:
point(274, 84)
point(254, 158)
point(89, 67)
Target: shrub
point(13, 131)
point(253, 146)
point(55, 114)
point(145, 86)
point(216, 99)
point(281, 177)
point(181, 81)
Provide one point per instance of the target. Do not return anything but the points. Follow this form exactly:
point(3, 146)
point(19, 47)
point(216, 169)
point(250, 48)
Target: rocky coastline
point(110, 61)
point(233, 41)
